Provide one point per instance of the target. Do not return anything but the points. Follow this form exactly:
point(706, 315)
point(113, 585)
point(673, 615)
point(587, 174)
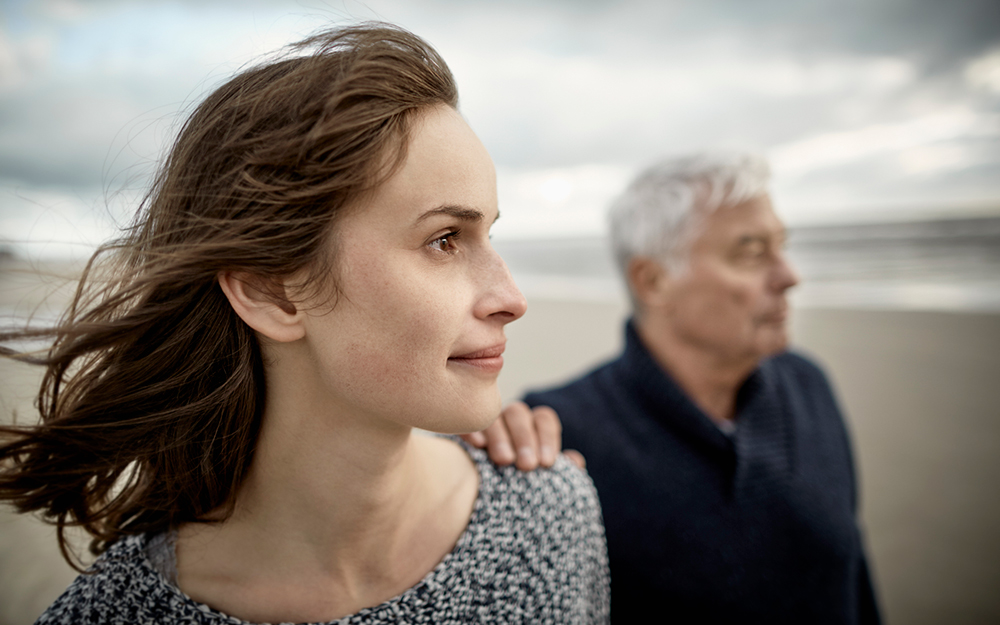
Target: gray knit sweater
point(533, 552)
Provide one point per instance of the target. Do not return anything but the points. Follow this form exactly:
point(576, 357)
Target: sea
point(942, 264)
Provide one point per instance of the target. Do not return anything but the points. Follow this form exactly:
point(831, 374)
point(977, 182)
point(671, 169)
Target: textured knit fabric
point(533, 552)
point(757, 526)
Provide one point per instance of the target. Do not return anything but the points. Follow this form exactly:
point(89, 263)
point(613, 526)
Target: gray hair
point(660, 212)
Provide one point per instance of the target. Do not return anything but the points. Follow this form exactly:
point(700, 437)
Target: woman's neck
point(336, 493)
point(338, 512)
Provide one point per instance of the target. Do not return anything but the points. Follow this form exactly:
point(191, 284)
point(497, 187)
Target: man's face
point(731, 301)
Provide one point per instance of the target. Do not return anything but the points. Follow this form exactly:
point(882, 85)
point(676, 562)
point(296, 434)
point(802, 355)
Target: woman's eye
point(445, 243)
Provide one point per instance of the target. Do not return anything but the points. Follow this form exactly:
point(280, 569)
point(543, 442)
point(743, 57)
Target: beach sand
point(922, 394)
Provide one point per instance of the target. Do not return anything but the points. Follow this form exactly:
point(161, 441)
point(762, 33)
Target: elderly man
point(722, 462)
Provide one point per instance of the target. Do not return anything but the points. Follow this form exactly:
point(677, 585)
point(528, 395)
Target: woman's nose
point(501, 298)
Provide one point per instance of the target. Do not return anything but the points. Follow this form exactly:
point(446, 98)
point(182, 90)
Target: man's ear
point(262, 305)
point(649, 281)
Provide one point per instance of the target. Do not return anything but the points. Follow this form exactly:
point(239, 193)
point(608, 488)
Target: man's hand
point(529, 437)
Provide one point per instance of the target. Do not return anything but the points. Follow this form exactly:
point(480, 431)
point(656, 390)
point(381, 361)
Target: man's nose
point(784, 275)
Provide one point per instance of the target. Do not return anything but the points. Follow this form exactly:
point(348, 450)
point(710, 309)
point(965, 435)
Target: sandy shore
point(922, 393)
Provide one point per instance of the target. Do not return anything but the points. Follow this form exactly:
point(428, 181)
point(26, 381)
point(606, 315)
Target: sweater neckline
point(662, 397)
point(434, 580)
point(759, 409)
point(764, 433)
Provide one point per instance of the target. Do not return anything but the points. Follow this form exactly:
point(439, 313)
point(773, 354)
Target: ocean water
point(951, 264)
point(928, 265)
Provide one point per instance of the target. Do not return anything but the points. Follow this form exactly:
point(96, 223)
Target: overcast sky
point(871, 109)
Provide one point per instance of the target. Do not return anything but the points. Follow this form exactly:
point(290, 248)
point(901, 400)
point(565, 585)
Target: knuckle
point(519, 420)
point(547, 418)
point(496, 433)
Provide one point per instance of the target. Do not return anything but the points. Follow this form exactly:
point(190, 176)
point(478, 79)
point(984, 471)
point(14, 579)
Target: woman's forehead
point(445, 166)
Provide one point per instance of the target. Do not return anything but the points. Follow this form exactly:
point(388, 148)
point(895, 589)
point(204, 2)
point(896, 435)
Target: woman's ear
point(262, 306)
point(649, 281)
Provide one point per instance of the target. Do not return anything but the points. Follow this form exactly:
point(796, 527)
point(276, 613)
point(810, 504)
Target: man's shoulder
point(588, 389)
point(799, 376)
point(799, 366)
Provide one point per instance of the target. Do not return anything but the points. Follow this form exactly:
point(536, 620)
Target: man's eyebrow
point(751, 238)
point(458, 212)
point(779, 235)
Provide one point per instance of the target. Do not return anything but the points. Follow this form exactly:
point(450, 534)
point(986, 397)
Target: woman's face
point(417, 331)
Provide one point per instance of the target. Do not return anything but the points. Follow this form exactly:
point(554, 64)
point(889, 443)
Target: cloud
point(562, 201)
point(77, 136)
point(833, 148)
point(20, 59)
point(65, 10)
point(857, 101)
point(984, 72)
point(540, 111)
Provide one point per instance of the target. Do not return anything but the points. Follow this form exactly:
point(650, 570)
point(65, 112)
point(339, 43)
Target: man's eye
point(750, 252)
point(445, 243)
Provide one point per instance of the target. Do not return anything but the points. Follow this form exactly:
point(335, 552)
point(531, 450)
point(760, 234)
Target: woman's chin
point(474, 416)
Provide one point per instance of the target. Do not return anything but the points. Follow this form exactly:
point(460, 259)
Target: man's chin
point(775, 343)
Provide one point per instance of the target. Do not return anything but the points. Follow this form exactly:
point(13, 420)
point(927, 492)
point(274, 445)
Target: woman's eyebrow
point(458, 212)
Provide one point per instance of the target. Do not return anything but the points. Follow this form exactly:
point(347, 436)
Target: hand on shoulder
point(527, 437)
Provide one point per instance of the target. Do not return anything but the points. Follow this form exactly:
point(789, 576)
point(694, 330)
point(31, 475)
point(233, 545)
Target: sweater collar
point(760, 412)
point(661, 396)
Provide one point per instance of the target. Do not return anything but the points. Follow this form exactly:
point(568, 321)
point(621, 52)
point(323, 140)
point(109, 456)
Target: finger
point(498, 445)
point(549, 432)
point(476, 439)
point(576, 458)
point(520, 422)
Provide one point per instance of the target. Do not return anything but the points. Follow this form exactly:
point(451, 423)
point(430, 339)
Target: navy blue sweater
point(754, 527)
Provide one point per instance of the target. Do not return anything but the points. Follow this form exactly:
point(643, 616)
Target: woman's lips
point(487, 360)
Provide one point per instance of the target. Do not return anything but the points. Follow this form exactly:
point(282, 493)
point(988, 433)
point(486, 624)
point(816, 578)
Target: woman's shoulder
point(554, 505)
point(119, 588)
point(540, 533)
point(564, 480)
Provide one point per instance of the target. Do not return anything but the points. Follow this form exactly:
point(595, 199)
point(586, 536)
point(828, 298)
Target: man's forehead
point(754, 217)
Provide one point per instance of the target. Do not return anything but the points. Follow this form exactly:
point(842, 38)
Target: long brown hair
point(153, 389)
